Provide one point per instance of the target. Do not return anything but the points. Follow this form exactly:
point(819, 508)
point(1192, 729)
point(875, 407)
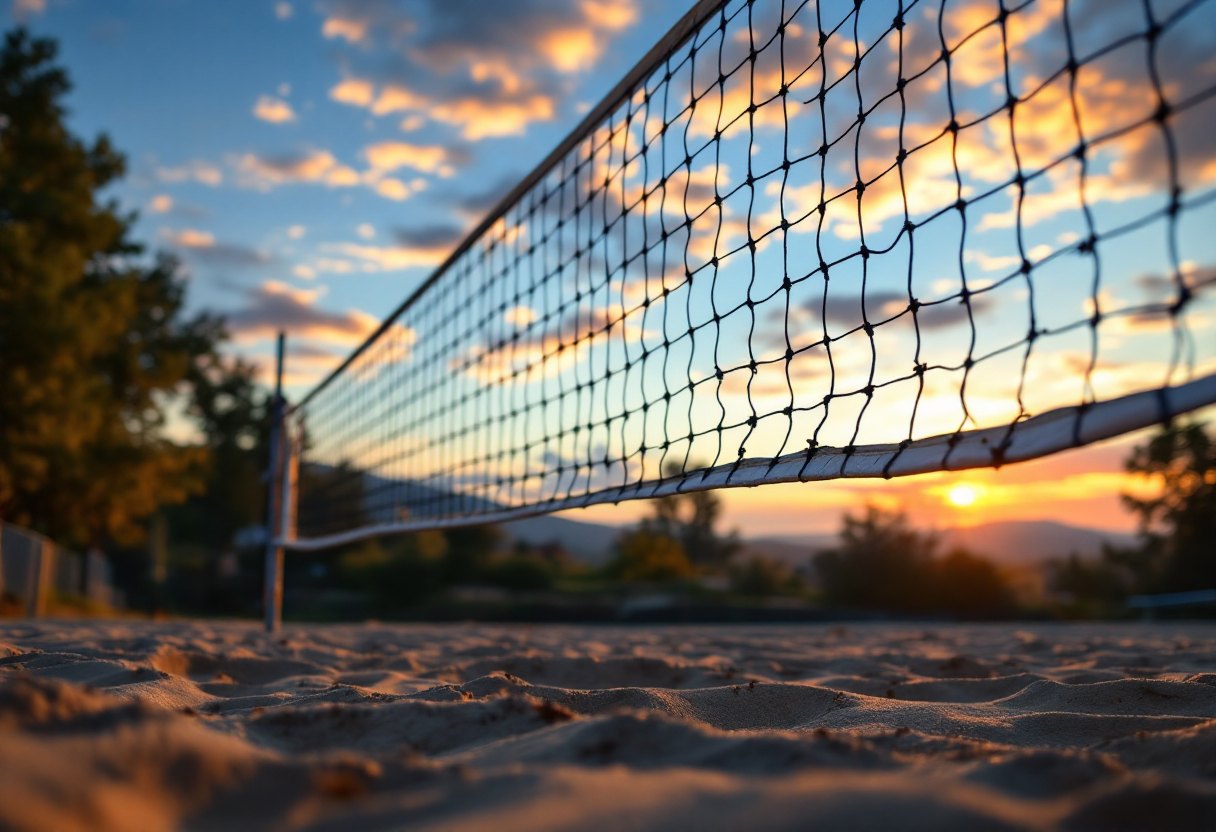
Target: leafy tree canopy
point(690, 520)
point(94, 344)
point(1177, 550)
point(883, 563)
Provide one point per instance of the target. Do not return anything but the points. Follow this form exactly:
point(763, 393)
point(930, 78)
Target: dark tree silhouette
point(1177, 549)
point(883, 563)
point(690, 520)
point(93, 342)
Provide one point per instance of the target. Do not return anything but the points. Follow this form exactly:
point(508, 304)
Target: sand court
point(214, 725)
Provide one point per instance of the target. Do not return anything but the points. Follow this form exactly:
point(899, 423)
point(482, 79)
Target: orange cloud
point(479, 119)
point(353, 91)
point(390, 258)
point(274, 110)
point(161, 204)
point(276, 306)
point(318, 166)
point(389, 156)
point(490, 74)
point(353, 31)
point(189, 238)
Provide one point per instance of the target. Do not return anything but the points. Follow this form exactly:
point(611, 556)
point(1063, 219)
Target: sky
point(313, 162)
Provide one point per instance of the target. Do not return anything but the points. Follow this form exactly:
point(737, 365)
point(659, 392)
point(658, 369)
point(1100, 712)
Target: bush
point(643, 555)
point(760, 576)
point(883, 564)
point(397, 571)
point(970, 586)
point(521, 573)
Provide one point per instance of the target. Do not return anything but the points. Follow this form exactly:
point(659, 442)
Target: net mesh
point(805, 232)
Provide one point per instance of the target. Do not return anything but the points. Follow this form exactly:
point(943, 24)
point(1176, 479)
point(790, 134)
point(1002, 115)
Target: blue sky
point(312, 162)
point(242, 121)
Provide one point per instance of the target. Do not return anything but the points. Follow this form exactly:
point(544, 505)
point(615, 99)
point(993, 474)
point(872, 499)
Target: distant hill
point(589, 543)
point(1010, 542)
point(1016, 542)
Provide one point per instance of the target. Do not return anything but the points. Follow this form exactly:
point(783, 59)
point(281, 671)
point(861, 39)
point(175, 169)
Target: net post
point(272, 601)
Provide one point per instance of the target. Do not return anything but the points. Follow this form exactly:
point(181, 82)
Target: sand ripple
point(146, 726)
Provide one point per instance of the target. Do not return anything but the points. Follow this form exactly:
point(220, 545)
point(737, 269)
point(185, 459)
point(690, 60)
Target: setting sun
point(962, 495)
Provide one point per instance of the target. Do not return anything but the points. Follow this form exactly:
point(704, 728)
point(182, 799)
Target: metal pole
point(273, 595)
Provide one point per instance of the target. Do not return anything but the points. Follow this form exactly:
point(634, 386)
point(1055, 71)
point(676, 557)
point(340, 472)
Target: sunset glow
point(963, 495)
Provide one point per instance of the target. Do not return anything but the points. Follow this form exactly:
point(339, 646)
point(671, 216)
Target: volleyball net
point(803, 241)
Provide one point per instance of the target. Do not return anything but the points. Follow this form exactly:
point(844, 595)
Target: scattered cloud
point(320, 167)
point(202, 246)
point(353, 31)
point(390, 156)
point(477, 204)
point(203, 172)
point(23, 10)
point(316, 166)
point(519, 316)
point(188, 238)
point(487, 69)
point(295, 232)
point(366, 230)
point(390, 258)
point(353, 91)
point(393, 189)
point(276, 306)
point(161, 204)
point(166, 205)
point(430, 236)
point(274, 110)
point(283, 10)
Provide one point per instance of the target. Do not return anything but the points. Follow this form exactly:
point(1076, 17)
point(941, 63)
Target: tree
point(883, 563)
point(970, 586)
point(93, 343)
point(643, 555)
point(689, 519)
point(1177, 550)
point(233, 414)
point(759, 576)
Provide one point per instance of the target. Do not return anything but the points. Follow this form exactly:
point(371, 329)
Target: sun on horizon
point(963, 495)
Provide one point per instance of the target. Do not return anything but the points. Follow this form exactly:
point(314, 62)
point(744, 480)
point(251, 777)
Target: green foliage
point(644, 555)
point(759, 577)
point(676, 541)
point(233, 415)
point(970, 586)
point(520, 573)
point(396, 571)
point(93, 340)
point(882, 563)
point(404, 571)
point(1092, 581)
point(470, 550)
point(1177, 549)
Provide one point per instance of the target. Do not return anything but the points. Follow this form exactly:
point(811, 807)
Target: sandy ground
point(150, 726)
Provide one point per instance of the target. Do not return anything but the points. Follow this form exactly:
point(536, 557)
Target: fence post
point(41, 577)
point(273, 591)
